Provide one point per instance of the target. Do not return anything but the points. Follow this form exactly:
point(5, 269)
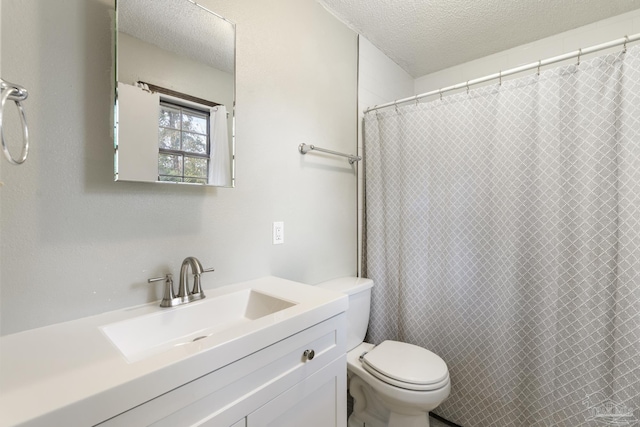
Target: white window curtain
point(503, 234)
point(137, 136)
point(220, 154)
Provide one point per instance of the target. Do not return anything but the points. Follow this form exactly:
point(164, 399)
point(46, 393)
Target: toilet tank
point(359, 291)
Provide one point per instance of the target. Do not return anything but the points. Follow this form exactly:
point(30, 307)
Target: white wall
point(75, 243)
point(588, 35)
point(380, 80)
point(1, 165)
point(141, 61)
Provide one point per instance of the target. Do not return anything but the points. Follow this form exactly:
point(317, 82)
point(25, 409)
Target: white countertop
point(71, 374)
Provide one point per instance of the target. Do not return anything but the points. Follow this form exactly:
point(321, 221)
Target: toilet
point(393, 384)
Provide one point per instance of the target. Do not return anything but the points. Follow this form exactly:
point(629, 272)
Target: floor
point(436, 423)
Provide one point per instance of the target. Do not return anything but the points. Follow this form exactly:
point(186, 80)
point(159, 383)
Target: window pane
point(183, 134)
point(195, 167)
point(194, 143)
point(169, 139)
point(169, 164)
point(196, 180)
point(170, 178)
point(194, 123)
point(169, 117)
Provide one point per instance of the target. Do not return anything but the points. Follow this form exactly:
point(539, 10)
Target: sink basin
point(144, 336)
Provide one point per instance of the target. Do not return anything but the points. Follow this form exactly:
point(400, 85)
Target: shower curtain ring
point(467, 87)
point(440, 92)
point(500, 75)
point(539, 64)
point(395, 104)
point(579, 55)
point(626, 40)
point(417, 100)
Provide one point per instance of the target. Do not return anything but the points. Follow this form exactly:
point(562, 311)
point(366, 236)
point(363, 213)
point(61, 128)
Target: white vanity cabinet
point(314, 402)
point(276, 386)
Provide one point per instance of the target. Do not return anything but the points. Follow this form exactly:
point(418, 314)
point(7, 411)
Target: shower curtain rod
point(575, 54)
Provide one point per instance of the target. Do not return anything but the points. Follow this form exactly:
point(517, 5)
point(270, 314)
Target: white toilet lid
point(407, 366)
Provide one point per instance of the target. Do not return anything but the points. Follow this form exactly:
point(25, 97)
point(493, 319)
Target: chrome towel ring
point(17, 94)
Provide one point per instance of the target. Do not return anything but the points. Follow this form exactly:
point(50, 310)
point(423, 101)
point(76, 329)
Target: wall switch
point(278, 232)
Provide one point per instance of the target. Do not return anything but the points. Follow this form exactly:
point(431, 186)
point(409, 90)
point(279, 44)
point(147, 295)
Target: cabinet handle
point(309, 354)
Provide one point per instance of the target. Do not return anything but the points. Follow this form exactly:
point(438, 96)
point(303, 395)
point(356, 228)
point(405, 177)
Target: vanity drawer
point(226, 395)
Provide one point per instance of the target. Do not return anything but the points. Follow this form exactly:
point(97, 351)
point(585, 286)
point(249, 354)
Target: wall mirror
point(175, 94)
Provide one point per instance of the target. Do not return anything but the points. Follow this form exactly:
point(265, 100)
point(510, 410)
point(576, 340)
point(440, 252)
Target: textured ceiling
point(423, 36)
point(181, 27)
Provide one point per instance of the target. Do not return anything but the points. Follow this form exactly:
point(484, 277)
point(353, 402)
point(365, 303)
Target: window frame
point(172, 103)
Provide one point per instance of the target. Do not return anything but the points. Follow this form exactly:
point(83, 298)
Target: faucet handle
point(197, 292)
point(169, 298)
point(157, 279)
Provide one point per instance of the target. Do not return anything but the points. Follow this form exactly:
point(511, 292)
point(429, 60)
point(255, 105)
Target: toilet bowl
point(400, 403)
point(393, 384)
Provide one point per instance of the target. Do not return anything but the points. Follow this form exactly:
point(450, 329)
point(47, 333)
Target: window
point(183, 143)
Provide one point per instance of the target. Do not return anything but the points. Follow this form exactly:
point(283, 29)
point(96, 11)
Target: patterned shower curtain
point(503, 234)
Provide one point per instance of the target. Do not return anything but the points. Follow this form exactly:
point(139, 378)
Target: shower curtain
point(503, 234)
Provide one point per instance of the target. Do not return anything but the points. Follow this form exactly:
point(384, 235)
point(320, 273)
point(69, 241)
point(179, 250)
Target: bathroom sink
point(144, 336)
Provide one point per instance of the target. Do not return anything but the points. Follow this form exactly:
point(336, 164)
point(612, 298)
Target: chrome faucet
point(184, 294)
point(197, 270)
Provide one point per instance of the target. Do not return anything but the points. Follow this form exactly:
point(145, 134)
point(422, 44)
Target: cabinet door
point(318, 401)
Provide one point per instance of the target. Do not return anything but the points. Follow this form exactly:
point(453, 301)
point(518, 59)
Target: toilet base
point(399, 421)
point(421, 420)
point(368, 411)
